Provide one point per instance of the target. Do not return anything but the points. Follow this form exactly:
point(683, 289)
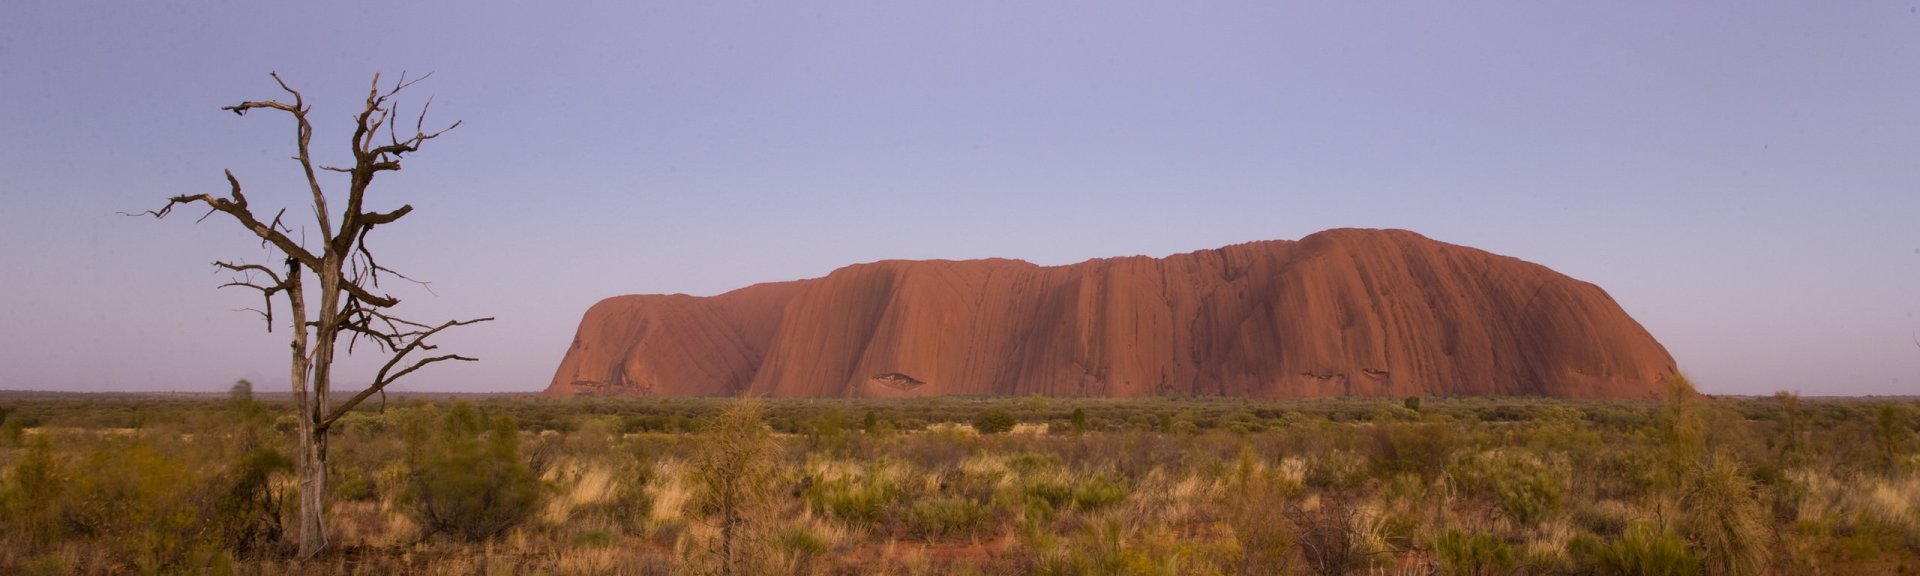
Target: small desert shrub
point(1055, 494)
point(799, 541)
point(631, 503)
point(994, 421)
point(595, 539)
point(1722, 518)
point(351, 483)
point(948, 516)
point(467, 476)
point(30, 496)
point(860, 501)
point(1337, 469)
point(1098, 492)
point(1607, 519)
point(1622, 473)
point(1421, 449)
point(1644, 550)
point(1099, 549)
point(1893, 434)
point(1473, 554)
point(246, 518)
point(143, 504)
point(1028, 463)
point(1254, 511)
point(1520, 484)
point(1329, 535)
point(733, 478)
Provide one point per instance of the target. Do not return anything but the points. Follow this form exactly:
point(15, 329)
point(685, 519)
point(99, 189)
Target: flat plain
point(491, 484)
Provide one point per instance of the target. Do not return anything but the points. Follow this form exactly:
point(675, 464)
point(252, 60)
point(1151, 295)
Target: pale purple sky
point(1743, 177)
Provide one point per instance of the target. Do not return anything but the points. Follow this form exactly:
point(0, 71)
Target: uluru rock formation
point(1340, 312)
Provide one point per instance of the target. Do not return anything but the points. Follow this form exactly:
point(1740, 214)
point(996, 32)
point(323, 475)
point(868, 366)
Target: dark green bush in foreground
point(467, 476)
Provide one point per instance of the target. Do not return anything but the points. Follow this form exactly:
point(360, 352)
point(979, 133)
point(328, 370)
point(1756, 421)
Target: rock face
point(1341, 312)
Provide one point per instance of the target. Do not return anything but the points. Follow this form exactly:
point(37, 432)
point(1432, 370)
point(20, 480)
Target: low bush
point(859, 501)
point(948, 517)
point(994, 421)
point(1721, 517)
point(1473, 554)
point(1254, 512)
point(467, 476)
point(1098, 492)
point(30, 495)
point(1645, 550)
point(1521, 485)
point(632, 502)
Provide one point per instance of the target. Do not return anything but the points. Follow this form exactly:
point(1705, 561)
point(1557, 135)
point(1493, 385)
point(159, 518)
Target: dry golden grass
point(1146, 501)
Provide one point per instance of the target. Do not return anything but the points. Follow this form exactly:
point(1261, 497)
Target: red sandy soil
point(1340, 312)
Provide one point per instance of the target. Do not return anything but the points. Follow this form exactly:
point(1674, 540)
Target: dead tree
point(350, 302)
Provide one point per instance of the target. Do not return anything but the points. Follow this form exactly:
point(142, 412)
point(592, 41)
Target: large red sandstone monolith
point(1341, 312)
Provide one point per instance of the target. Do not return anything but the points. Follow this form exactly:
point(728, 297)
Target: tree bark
point(310, 463)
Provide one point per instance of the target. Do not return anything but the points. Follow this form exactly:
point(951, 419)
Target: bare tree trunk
point(310, 464)
point(312, 467)
point(346, 270)
point(313, 424)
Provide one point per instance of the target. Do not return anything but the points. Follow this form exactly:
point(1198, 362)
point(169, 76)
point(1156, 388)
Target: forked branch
point(235, 205)
point(388, 376)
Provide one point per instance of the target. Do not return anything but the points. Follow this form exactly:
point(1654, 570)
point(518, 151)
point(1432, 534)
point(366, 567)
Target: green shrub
point(1054, 494)
point(947, 517)
point(1464, 554)
point(1421, 449)
point(1893, 434)
point(1645, 550)
point(467, 485)
point(1520, 484)
point(632, 504)
point(1329, 535)
point(351, 483)
point(799, 541)
point(733, 478)
point(247, 516)
point(594, 539)
point(1337, 469)
point(11, 430)
point(141, 503)
point(1027, 463)
point(860, 501)
point(1098, 492)
point(1721, 517)
point(1253, 510)
point(994, 421)
point(30, 497)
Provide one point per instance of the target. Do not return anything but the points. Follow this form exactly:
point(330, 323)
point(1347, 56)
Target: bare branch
point(242, 108)
point(387, 376)
point(237, 208)
point(375, 218)
point(266, 291)
point(303, 135)
point(357, 291)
